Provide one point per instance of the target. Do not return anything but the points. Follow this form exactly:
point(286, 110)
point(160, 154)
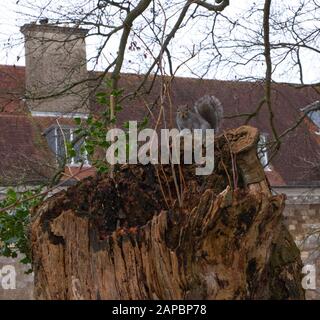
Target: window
point(315, 117)
point(58, 138)
point(313, 112)
point(263, 152)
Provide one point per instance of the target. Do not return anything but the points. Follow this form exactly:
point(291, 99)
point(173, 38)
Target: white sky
point(11, 20)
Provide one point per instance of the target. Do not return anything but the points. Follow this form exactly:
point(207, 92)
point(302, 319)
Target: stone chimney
point(56, 69)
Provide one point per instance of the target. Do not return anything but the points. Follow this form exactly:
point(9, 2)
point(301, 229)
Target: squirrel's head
point(183, 111)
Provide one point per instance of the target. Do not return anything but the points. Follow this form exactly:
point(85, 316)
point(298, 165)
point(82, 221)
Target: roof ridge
point(181, 77)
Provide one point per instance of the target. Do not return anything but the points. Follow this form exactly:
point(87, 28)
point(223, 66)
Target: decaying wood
point(118, 239)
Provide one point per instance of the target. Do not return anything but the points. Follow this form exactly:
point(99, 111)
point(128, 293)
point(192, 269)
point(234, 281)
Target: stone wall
point(303, 221)
point(302, 216)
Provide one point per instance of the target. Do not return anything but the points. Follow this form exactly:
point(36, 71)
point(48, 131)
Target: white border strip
point(59, 114)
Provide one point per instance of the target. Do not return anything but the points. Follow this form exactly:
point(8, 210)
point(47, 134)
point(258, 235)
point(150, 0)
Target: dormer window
point(315, 117)
point(313, 112)
point(263, 152)
point(59, 138)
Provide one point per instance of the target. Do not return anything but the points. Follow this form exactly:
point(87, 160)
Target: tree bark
point(127, 237)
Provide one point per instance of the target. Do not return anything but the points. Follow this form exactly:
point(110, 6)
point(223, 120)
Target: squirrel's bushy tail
point(211, 109)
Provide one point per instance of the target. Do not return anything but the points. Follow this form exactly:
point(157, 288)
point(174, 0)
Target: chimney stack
point(56, 69)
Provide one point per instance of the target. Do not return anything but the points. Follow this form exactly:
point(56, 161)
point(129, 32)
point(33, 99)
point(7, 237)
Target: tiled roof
point(292, 165)
point(24, 153)
point(12, 84)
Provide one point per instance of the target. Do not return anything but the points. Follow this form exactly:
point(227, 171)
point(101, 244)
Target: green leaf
point(11, 195)
point(99, 124)
point(72, 153)
point(78, 131)
point(89, 120)
point(144, 123)
point(90, 149)
point(109, 83)
point(104, 144)
point(14, 226)
point(101, 94)
point(102, 100)
point(117, 92)
point(103, 169)
point(77, 121)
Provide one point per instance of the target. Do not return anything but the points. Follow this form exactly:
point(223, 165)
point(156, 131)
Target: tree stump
point(129, 237)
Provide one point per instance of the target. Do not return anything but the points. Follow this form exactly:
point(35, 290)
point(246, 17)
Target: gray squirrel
point(207, 113)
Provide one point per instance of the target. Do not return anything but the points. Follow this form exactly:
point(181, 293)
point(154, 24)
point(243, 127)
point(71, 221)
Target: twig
point(40, 194)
